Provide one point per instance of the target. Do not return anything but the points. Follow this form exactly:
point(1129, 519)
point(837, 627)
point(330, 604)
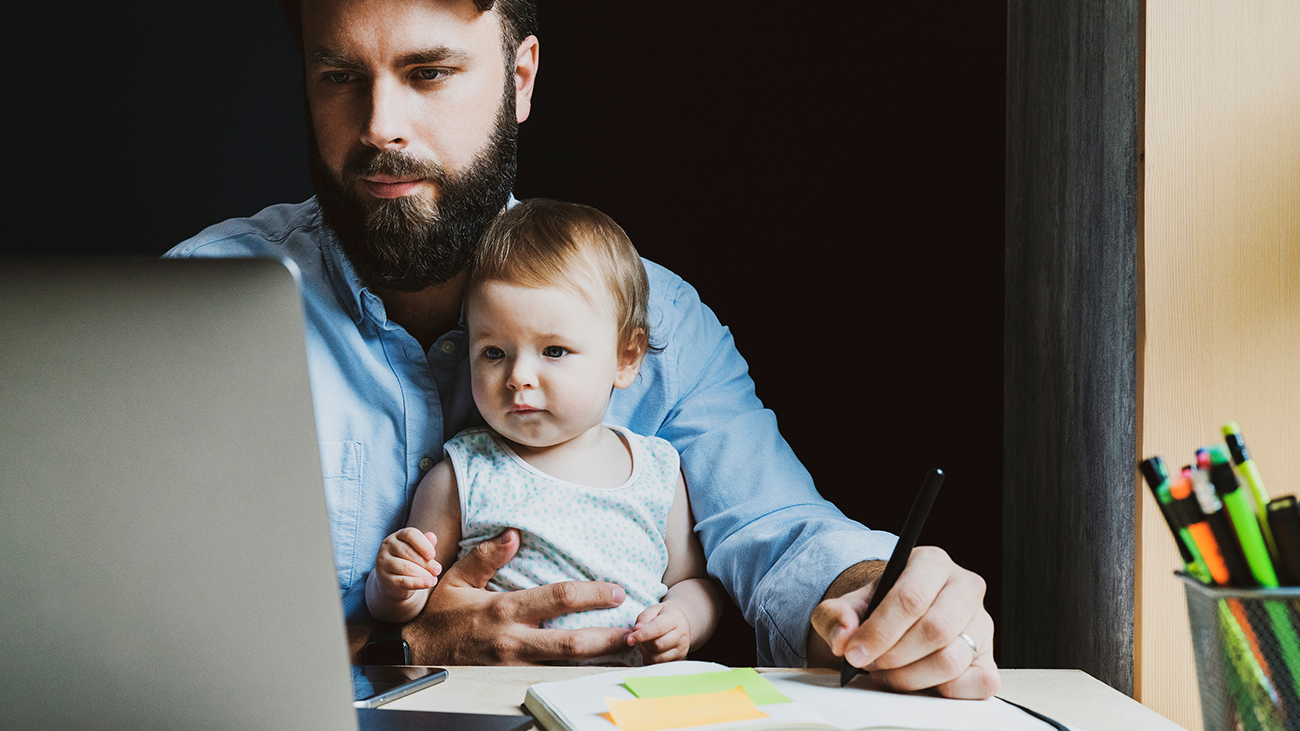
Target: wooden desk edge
point(1070, 696)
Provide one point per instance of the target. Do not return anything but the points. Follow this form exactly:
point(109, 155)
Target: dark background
point(830, 180)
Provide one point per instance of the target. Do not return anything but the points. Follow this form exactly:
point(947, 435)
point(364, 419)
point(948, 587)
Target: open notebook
point(784, 700)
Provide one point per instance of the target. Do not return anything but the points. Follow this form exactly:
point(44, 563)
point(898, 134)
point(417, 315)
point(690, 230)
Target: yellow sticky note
point(682, 711)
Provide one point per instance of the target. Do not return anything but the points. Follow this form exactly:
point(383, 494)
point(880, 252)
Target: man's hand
point(663, 632)
point(465, 624)
point(917, 637)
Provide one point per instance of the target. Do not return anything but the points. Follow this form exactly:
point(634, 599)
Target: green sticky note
point(758, 688)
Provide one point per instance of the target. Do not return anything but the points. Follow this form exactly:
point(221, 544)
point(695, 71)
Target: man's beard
point(410, 243)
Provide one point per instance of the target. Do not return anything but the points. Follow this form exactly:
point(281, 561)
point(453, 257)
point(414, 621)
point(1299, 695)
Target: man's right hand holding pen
point(930, 630)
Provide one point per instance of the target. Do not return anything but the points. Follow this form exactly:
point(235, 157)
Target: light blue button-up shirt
point(384, 407)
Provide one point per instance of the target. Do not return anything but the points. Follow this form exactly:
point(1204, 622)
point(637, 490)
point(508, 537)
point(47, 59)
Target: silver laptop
point(165, 559)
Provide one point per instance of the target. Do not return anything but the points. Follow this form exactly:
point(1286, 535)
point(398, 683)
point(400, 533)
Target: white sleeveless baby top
point(571, 532)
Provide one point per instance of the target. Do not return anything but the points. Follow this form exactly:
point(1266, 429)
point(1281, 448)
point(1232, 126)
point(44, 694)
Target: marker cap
point(1152, 472)
point(1187, 510)
point(1221, 474)
point(1284, 519)
point(1237, 447)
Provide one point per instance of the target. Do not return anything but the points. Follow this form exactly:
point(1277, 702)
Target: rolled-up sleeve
point(770, 538)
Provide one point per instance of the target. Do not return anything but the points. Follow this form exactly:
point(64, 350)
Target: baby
point(556, 309)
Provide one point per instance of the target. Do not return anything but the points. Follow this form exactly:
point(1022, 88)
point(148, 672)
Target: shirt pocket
point(341, 467)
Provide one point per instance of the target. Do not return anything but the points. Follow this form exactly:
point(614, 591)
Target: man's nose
point(387, 127)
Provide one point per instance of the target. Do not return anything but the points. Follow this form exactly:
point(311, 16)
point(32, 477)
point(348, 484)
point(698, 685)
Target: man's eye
point(339, 77)
point(493, 353)
point(554, 351)
point(430, 74)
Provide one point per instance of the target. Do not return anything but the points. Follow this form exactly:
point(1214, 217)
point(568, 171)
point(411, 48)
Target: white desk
point(1070, 696)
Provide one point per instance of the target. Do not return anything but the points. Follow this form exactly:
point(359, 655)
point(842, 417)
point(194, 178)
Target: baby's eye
point(554, 351)
point(493, 353)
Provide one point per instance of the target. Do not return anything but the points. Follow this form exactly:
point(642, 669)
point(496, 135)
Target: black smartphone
point(375, 685)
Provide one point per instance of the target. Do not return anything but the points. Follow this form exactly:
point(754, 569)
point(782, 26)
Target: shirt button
point(426, 464)
point(448, 346)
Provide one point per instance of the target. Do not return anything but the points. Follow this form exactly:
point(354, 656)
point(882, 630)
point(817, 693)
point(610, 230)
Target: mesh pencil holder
point(1247, 645)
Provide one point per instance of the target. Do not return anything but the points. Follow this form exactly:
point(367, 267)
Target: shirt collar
point(352, 294)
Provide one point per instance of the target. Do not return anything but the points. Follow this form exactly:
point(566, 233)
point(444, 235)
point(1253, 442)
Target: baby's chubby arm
point(410, 560)
point(689, 611)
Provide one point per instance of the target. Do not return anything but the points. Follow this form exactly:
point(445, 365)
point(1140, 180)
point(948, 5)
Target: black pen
point(898, 559)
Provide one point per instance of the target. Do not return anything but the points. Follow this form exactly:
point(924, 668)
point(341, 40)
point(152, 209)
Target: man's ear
point(525, 75)
point(629, 360)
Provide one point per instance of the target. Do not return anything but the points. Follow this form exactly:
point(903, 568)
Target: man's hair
point(546, 243)
point(518, 21)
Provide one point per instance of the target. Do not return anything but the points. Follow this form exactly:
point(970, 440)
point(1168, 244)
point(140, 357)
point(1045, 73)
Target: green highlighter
point(1244, 522)
point(1250, 473)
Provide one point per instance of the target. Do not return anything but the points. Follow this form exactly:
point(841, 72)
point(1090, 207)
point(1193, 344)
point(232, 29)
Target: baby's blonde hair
point(546, 243)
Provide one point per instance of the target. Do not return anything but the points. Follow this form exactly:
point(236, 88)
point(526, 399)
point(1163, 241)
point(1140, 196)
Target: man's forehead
point(465, 9)
point(330, 25)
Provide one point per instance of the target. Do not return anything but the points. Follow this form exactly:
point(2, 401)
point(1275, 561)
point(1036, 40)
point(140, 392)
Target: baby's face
point(543, 361)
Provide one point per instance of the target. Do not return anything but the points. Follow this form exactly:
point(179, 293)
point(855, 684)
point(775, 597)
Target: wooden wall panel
point(1221, 284)
point(1070, 336)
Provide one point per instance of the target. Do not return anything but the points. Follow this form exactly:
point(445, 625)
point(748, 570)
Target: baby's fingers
point(396, 550)
point(421, 543)
point(670, 646)
point(407, 583)
point(401, 574)
point(651, 631)
point(655, 630)
point(652, 611)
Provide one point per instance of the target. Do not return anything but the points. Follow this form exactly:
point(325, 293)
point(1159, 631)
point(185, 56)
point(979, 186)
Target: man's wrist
point(410, 635)
point(387, 646)
point(853, 578)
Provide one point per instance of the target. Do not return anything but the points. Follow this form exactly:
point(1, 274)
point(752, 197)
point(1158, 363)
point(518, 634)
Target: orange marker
point(1192, 516)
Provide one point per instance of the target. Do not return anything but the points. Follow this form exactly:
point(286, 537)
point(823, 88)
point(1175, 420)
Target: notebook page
point(857, 707)
point(581, 706)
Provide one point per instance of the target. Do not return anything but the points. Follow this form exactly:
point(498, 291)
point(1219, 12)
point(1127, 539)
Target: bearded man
point(413, 112)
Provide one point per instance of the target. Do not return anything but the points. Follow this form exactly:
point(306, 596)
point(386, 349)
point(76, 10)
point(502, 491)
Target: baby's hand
point(405, 563)
point(663, 632)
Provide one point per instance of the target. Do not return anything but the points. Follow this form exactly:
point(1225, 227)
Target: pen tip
point(847, 672)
